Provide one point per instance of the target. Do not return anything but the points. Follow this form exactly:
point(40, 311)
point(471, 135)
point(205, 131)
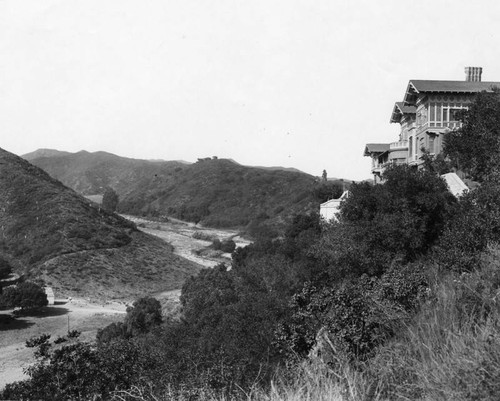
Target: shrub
point(36, 341)
point(228, 246)
point(216, 244)
point(143, 316)
point(203, 236)
point(74, 334)
point(113, 331)
point(110, 200)
point(60, 340)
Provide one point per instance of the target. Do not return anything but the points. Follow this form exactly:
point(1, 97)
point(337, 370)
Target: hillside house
point(428, 111)
point(50, 295)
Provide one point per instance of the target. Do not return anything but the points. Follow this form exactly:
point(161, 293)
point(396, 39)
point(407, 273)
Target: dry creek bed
point(88, 315)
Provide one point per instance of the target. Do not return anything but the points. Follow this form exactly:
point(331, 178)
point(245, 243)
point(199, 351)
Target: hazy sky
point(302, 84)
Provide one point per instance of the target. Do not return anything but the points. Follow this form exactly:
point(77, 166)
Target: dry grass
point(452, 350)
point(145, 266)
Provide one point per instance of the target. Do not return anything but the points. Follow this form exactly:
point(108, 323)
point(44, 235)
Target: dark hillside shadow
point(9, 322)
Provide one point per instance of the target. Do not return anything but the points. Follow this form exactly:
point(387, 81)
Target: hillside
point(215, 192)
point(90, 173)
point(44, 153)
point(49, 231)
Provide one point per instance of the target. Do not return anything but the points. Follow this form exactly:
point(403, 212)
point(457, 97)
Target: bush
point(216, 244)
point(113, 331)
point(36, 341)
point(110, 200)
point(228, 246)
point(143, 316)
point(203, 236)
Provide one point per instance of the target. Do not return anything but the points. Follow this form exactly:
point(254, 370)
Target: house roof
point(416, 86)
point(375, 148)
point(401, 108)
point(456, 186)
point(452, 86)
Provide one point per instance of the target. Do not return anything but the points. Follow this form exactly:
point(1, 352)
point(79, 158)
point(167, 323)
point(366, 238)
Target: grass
point(452, 349)
point(449, 351)
point(145, 266)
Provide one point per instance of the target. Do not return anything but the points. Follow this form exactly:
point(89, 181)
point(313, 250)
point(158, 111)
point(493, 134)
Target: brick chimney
point(473, 74)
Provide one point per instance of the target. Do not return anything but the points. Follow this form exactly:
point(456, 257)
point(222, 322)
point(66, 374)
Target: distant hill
point(90, 173)
point(274, 168)
point(44, 153)
point(215, 192)
point(48, 230)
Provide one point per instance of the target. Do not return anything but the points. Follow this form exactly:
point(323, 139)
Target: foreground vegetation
point(396, 301)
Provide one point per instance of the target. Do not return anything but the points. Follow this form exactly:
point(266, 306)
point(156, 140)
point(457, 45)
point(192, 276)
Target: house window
point(431, 143)
point(445, 114)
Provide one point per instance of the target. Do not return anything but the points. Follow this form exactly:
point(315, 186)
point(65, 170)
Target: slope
point(49, 231)
point(215, 192)
point(90, 173)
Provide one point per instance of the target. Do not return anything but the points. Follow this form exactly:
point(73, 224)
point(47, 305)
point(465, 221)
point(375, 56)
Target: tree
point(326, 190)
point(474, 223)
point(475, 147)
point(143, 316)
point(26, 295)
point(110, 200)
point(5, 269)
point(400, 219)
point(324, 177)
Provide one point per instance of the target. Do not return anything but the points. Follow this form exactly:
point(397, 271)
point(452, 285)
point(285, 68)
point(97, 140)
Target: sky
point(292, 83)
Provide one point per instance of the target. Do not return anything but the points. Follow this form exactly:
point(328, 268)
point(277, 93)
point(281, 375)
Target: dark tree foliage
point(143, 316)
point(398, 220)
point(79, 372)
point(111, 332)
point(356, 314)
point(231, 317)
point(300, 235)
point(110, 200)
point(228, 246)
point(5, 269)
point(475, 147)
point(325, 190)
point(474, 223)
point(435, 164)
point(25, 295)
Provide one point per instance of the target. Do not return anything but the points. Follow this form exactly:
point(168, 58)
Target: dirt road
point(87, 316)
point(79, 314)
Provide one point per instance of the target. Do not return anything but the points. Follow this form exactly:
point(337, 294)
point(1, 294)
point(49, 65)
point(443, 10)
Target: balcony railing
point(398, 145)
point(393, 163)
point(439, 125)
